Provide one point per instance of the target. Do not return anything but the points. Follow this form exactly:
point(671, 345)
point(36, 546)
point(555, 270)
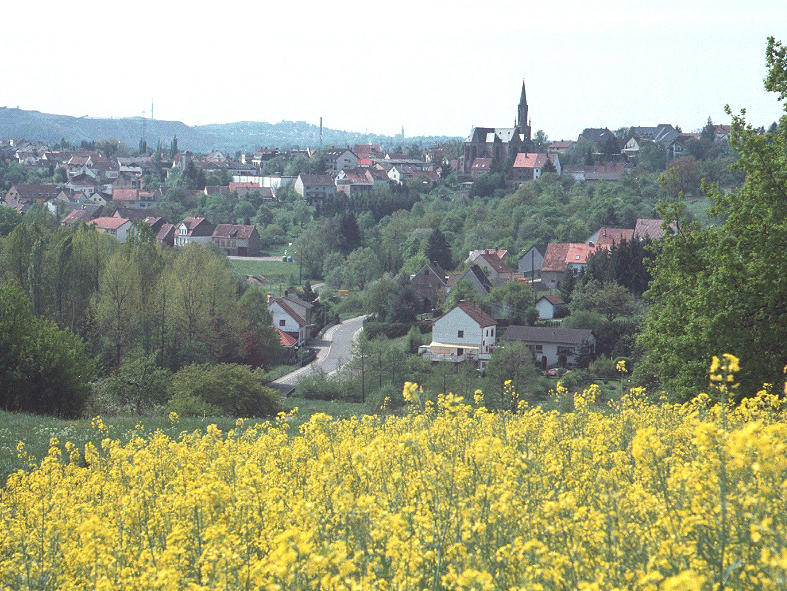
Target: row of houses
point(466, 333)
point(232, 239)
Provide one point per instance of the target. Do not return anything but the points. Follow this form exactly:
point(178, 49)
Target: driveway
point(333, 351)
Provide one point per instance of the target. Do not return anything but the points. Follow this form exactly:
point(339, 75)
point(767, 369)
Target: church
point(499, 143)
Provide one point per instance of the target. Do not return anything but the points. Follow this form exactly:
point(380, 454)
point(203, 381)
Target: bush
point(43, 368)
point(574, 379)
point(390, 330)
point(222, 389)
point(137, 386)
point(320, 387)
point(603, 367)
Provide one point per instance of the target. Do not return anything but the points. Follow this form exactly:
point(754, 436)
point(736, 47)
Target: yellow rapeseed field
point(628, 496)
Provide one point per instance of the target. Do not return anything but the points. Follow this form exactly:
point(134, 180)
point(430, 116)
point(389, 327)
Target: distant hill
point(244, 135)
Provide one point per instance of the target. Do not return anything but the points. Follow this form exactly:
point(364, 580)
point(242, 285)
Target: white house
point(314, 186)
point(549, 304)
point(286, 319)
point(194, 229)
point(117, 227)
point(464, 333)
point(552, 347)
point(340, 159)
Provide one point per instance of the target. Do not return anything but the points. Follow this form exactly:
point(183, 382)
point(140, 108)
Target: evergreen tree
point(438, 250)
point(349, 233)
point(173, 149)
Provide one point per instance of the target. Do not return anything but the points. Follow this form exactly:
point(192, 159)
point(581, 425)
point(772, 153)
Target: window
point(493, 332)
point(282, 322)
point(539, 348)
point(460, 334)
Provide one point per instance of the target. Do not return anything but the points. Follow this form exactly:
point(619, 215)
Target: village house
point(339, 159)
point(561, 258)
point(237, 240)
point(77, 216)
point(429, 285)
point(120, 228)
point(608, 236)
point(354, 181)
point(314, 186)
point(610, 172)
point(166, 235)
point(529, 264)
point(287, 319)
point(480, 166)
point(194, 230)
point(136, 198)
point(475, 277)
point(561, 146)
point(464, 333)
point(649, 228)
point(529, 166)
point(494, 267)
point(550, 306)
point(552, 347)
point(31, 193)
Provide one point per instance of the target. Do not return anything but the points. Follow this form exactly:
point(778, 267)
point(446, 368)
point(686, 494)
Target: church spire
point(522, 108)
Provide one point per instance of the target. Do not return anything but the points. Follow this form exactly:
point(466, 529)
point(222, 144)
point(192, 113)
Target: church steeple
point(522, 108)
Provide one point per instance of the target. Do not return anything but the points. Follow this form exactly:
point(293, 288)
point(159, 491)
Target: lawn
point(279, 275)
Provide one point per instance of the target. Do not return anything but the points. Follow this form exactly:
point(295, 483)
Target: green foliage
point(438, 250)
point(514, 362)
point(9, 219)
point(225, 388)
point(608, 299)
point(723, 289)
point(43, 369)
point(516, 301)
point(136, 387)
point(318, 386)
point(391, 330)
point(603, 367)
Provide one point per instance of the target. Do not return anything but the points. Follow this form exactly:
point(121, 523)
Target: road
point(333, 351)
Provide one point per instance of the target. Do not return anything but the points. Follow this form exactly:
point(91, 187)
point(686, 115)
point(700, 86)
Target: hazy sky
point(434, 67)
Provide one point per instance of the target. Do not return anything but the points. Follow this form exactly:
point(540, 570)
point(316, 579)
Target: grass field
point(279, 275)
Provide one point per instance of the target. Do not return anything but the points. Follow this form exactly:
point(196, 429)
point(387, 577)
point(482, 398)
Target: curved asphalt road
point(333, 351)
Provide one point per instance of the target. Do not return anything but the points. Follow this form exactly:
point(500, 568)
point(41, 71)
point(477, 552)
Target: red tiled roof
point(530, 160)
point(610, 236)
point(316, 180)
point(77, 215)
point(495, 262)
point(553, 299)
point(285, 339)
point(166, 233)
point(476, 313)
point(559, 254)
point(648, 228)
point(241, 232)
point(234, 186)
point(124, 194)
point(108, 223)
point(201, 225)
point(482, 164)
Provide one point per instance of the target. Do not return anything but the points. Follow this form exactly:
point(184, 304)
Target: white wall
point(446, 330)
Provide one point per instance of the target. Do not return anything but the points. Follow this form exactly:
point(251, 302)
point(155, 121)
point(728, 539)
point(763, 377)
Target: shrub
point(603, 367)
point(390, 330)
point(574, 379)
point(222, 389)
point(137, 386)
point(319, 386)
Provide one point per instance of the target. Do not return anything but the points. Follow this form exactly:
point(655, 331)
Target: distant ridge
point(242, 135)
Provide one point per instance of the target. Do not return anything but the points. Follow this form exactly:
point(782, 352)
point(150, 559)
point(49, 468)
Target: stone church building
point(499, 143)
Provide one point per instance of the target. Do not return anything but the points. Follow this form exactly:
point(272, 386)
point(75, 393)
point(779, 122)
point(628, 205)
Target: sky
point(436, 68)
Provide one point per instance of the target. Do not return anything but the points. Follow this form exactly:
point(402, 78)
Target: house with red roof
point(120, 228)
point(494, 267)
point(288, 320)
point(650, 228)
point(529, 166)
point(549, 305)
point(564, 257)
point(166, 235)
point(480, 167)
point(464, 333)
point(194, 230)
point(237, 239)
point(136, 198)
point(609, 236)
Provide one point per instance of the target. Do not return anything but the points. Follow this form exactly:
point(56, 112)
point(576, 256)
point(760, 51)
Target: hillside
point(244, 135)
